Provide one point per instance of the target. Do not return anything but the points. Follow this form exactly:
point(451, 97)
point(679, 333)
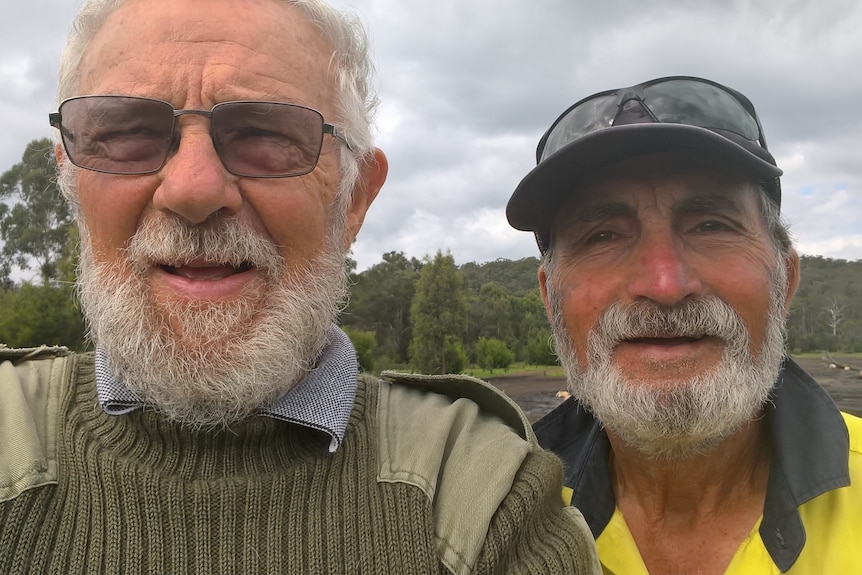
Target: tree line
point(436, 317)
point(428, 315)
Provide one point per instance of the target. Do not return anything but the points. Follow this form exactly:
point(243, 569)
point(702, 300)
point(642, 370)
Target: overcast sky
point(469, 86)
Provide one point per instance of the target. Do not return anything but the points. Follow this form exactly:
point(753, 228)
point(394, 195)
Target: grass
point(557, 371)
point(519, 368)
point(817, 354)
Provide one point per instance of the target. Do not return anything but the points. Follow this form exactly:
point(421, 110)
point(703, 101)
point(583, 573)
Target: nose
point(662, 271)
point(194, 184)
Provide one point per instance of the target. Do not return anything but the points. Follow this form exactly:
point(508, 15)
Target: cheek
point(112, 206)
point(296, 216)
point(584, 300)
point(754, 309)
point(747, 287)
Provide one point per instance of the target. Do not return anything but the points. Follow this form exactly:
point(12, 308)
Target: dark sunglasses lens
point(117, 134)
point(266, 139)
point(699, 104)
point(586, 117)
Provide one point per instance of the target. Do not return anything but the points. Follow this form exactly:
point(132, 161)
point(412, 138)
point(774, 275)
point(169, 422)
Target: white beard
point(685, 418)
point(221, 361)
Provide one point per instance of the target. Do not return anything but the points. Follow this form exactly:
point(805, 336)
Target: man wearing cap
point(692, 443)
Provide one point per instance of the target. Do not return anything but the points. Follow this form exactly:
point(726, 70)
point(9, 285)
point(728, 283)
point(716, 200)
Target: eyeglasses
point(674, 99)
point(132, 135)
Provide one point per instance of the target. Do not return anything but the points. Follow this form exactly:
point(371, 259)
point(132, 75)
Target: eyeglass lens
point(681, 101)
point(130, 135)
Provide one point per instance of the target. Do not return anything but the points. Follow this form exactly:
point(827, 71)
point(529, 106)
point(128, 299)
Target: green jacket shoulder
point(31, 383)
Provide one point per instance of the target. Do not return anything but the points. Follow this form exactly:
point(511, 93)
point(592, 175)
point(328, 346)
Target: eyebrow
point(723, 201)
point(595, 212)
point(705, 203)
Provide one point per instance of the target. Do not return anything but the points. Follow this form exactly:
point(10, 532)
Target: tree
point(363, 342)
point(826, 312)
point(492, 353)
point(439, 313)
point(539, 351)
point(34, 218)
point(836, 314)
point(380, 300)
point(34, 315)
point(491, 314)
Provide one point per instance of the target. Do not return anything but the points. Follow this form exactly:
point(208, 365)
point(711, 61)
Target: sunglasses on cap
point(675, 113)
point(672, 100)
point(133, 135)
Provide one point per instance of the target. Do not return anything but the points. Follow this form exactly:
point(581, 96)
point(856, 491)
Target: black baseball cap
point(671, 113)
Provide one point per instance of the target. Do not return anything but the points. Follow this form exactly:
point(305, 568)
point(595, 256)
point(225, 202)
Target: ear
point(791, 263)
point(543, 289)
point(371, 177)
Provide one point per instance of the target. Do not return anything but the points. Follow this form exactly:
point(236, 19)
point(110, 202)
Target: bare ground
point(536, 392)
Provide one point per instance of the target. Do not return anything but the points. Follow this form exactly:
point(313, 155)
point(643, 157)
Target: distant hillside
point(516, 277)
point(827, 310)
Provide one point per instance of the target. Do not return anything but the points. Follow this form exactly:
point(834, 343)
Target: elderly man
point(693, 444)
point(219, 157)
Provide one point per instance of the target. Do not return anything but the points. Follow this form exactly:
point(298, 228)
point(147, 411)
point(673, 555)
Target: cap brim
point(539, 195)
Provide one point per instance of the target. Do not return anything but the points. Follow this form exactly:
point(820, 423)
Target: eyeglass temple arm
point(336, 133)
point(56, 120)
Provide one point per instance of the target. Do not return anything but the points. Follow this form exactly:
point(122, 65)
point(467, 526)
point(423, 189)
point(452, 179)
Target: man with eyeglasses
point(219, 157)
point(692, 442)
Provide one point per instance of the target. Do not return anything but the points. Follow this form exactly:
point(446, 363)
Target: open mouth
point(665, 341)
point(207, 271)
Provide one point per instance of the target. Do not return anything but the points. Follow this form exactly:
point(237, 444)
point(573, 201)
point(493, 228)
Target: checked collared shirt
point(322, 400)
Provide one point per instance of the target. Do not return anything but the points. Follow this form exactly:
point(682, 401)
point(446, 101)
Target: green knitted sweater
point(140, 494)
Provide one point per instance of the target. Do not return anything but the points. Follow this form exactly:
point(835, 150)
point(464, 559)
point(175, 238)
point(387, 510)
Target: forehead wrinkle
point(596, 211)
point(725, 200)
point(200, 71)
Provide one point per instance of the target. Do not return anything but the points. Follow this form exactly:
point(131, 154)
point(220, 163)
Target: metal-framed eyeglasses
point(134, 135)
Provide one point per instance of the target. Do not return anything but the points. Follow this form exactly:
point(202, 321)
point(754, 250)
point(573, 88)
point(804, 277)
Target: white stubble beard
point(233, 357)
point(687, 418)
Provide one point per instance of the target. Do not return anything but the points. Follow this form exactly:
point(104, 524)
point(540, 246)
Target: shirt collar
point(322, 400)
point(810, 453)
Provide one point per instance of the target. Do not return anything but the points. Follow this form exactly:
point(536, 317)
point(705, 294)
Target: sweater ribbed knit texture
point(139, 494)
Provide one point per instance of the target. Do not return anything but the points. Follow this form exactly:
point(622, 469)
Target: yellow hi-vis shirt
point(811, 520)
point(833, 527)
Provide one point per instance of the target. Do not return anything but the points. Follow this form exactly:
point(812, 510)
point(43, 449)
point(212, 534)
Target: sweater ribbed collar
point(322, 400)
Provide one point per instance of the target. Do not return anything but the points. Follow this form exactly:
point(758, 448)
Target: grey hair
point(351, 70)
point(779, 232)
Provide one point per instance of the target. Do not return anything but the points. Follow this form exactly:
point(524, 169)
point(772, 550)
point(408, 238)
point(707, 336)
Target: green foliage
point(33, 315)
point(517, 277)
point(439, 314)
point(37, 230)
point(364, 342)
point(34, 219)
point(538, 350)
point(380, 301)
point(454, 355)
point(826, 313)
point(493, 353)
